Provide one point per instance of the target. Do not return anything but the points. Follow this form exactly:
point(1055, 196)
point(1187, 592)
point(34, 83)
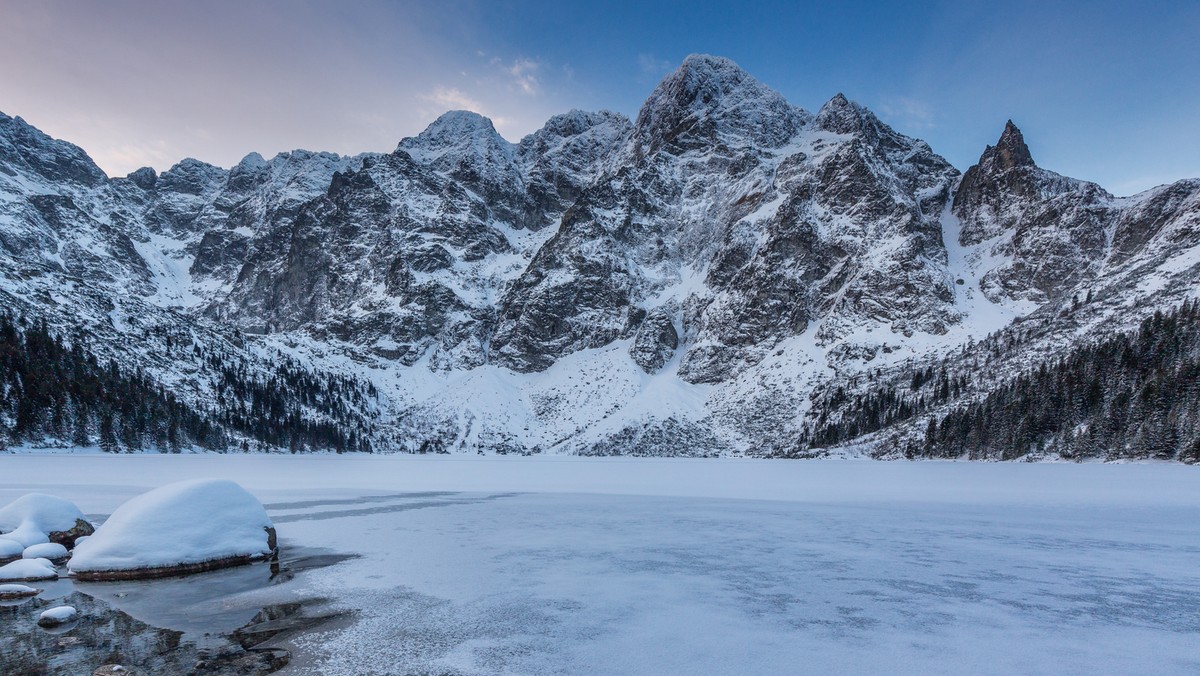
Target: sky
point(1104, 91)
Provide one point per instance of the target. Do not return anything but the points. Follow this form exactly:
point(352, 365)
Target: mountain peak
point(843, 116)
point(252, 162)
point(576, 122)
point(709, 65)
point(144, 178)
point(1010, 151)
point(456, 133)
point(23, 146)
point(705, 79)
point(709, 97)
point(455, 124)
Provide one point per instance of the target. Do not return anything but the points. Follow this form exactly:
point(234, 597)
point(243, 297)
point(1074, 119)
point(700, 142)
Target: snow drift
point(186, 527)
point(37, 518)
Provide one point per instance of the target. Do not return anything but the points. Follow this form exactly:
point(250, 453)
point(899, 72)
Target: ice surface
point(186, 522)
point(628, 566)
point(28, 569)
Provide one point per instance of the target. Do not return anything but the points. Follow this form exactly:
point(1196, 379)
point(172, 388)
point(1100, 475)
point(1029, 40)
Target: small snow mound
point(46, 512)
point(46, 550)
point(175, 529)
point(33, 517)
point(16, 591)
point(28, 569)
point(27, 536)
point(57, 616)
point(10, 548)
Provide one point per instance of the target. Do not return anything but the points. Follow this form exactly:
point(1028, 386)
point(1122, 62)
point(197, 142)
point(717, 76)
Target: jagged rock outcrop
point(25, 149)
point(564, 157)
point(655, 341)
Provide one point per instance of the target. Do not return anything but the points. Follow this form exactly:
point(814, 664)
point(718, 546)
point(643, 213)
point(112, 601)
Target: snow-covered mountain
point(698, 280)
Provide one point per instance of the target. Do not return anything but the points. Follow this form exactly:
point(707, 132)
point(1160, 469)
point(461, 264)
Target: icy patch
point(189, 522)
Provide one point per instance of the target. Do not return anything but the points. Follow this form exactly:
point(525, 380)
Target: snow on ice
point(16, 591)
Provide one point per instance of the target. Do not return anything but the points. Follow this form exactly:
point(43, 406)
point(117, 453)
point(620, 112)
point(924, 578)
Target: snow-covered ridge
point(681, 283)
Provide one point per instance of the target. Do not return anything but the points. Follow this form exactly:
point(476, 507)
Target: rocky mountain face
point(693, 281)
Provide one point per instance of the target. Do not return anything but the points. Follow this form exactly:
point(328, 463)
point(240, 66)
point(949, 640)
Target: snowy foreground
point(567, 565)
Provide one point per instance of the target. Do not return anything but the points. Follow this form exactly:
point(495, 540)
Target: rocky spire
point(1010, 151)
point(1004, 178)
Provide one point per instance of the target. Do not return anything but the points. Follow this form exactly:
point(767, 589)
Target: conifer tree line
point(51, 391)
point(1133, 395)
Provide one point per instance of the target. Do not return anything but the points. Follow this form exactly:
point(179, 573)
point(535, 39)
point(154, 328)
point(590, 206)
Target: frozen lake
point(617, 566)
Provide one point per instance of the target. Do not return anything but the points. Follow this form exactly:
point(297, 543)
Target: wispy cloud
point(452, 98)
point(444, 98)
point(524, 75)
point(653, 68)
point(908, 112)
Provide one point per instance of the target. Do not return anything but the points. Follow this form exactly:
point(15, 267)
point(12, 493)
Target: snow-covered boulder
point(28, 569)
point(9, 592)
point(186, 527)
point(57, 616)
point(10, 550)
point(47, 550)
point(35, 518)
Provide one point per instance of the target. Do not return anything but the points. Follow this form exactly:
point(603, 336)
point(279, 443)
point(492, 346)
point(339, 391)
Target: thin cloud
point(452, 98)
point(653, 68)
point(908, 112)
point(524, 75)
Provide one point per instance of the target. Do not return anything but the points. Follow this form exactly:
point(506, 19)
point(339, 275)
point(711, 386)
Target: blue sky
point(1103, 91)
